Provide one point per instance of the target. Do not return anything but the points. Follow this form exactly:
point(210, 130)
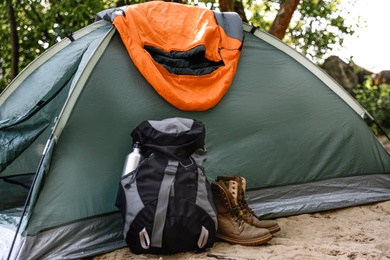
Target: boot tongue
point(242, 181)
point(233, 188)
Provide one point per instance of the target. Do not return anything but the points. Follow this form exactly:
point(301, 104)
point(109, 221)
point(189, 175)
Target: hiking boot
point(237, 187)
point(231, 227)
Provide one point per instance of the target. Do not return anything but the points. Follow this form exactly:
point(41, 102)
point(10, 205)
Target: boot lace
point(236, 215)
point(243, 204)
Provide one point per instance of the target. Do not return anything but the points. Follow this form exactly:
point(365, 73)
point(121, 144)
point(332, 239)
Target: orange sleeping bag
point(181, 51)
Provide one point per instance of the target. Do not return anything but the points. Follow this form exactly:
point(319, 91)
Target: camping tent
point(297, 137)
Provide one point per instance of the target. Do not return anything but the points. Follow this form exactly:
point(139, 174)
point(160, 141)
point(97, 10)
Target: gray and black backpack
point(166, 202)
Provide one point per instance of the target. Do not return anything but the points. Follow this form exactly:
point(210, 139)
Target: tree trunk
point(14, 40)
point(226, 5)
point(283, 18)
point(233, 6)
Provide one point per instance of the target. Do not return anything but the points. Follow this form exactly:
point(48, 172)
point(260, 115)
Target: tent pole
point(28, 199)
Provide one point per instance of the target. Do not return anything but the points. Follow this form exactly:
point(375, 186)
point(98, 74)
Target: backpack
point(166, 202)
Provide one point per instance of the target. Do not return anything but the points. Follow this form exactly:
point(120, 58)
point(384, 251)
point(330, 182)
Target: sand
point(361, 232)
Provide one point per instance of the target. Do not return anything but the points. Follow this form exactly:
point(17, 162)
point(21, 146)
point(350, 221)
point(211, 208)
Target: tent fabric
point(325, 194)
point(32, 108)
point(83, 238)
point(296, 137)
point(181, 51)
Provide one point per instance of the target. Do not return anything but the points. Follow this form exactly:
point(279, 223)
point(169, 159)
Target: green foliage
point(316, 27)
point(376, 100)
point(262, 13)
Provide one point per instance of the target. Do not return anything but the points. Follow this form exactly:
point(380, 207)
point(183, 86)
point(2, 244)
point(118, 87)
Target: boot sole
point(274, 229)
point(251, 242)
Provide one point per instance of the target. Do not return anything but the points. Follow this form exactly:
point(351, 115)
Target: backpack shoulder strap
point(162, 203)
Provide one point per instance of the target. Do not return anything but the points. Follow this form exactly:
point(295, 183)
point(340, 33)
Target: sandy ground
point(361, 232)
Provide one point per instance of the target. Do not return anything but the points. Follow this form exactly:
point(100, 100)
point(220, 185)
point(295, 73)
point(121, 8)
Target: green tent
point(297, 137)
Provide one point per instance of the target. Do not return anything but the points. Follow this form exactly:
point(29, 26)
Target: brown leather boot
point(237, 186)
point(231, 227)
